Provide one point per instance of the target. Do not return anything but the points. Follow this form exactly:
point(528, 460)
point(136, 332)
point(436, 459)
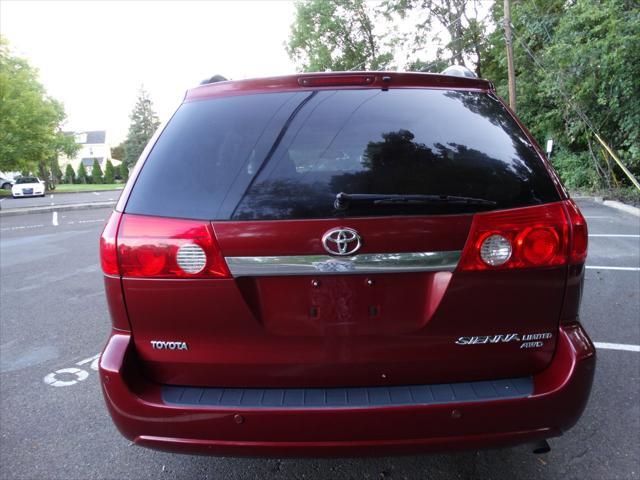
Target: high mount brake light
point(540, 236)
point(335, 80)
point(160, 248)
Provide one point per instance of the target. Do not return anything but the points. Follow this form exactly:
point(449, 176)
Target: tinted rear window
point(286, 155)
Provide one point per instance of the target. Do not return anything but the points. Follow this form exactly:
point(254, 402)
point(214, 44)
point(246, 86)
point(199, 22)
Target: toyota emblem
point(341, 241)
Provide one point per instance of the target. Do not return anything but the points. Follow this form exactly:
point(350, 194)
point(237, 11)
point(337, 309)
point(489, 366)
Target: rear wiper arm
point(343, 200)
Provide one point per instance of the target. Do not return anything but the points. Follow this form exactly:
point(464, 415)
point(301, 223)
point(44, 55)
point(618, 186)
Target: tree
point(575, 69)
point(30, 137)
point(459, 19)
point(336, 35)
point(96, 172)
point(109, 172)
point(56, 173)
point(118, 152)
point(124, 172)
point(144, 123)
point(82, 174)
point(69, 174)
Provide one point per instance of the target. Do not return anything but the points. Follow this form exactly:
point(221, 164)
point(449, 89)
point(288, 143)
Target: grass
point(87, 187)
point(73, 188)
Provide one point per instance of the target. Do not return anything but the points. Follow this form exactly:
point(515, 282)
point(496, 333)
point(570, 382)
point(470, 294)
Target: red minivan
point(344, 264)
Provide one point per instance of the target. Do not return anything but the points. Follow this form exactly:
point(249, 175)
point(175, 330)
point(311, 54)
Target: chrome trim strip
point(328, 265)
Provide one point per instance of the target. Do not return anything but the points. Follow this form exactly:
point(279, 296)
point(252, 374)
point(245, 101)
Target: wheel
point(6, 186)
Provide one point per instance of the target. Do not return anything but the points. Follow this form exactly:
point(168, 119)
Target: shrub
point(109, 172)
point(576, 170)
point(69, 174)
point(82, 174)
point(96, 172)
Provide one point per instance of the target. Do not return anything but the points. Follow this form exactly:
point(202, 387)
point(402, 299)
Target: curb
point(55, 192)
point(623, 207)
point(55, 208)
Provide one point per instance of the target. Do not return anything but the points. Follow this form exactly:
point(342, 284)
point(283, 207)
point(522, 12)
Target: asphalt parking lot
point(54, 317)
point(59, 199)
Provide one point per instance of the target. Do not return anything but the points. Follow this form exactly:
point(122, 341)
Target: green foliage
point(575, 169)
point(336, 35)
point(81, 176)
point(144, 123)
point(109, 172)
point(576, 64)
point(460, 22)
point(69, 174)
point(124, 172)
point(118, 152)
point(96, 172)
point(29, 119)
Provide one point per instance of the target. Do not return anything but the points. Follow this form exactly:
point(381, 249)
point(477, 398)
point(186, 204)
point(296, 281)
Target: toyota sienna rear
point(344, 264)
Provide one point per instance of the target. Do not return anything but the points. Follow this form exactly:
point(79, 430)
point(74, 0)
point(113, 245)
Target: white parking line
point(95, 193)
point(624, 269)
point(87, 360)
point(55, 221)
point(21, 227)
point(617, 346)
point(90, 221)
point(612, 235)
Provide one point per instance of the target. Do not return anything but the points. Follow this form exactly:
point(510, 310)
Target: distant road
point(59, 199)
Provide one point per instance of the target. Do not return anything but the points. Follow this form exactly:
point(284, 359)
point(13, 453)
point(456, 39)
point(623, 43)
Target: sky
point(93, 56)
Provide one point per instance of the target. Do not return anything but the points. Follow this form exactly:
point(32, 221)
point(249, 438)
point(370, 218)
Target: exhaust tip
point(541, 447)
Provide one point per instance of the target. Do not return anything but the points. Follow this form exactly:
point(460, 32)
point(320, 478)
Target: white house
point(93, 146)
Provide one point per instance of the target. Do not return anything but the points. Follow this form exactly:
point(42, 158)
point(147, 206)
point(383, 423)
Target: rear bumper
point(559, 397)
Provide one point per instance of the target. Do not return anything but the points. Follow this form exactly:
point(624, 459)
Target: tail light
point(579, 242)
point(541, 236)
point(108, 251)
point(160, 248)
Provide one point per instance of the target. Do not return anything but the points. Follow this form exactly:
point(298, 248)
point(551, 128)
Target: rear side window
point(290, 154)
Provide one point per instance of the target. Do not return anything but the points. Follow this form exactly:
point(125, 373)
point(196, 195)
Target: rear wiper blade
point(343, 200)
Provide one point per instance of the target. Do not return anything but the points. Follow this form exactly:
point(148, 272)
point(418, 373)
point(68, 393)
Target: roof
point(360, 80)
point(93, 137)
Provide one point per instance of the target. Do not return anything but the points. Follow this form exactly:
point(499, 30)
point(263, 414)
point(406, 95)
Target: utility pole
point(508, 41)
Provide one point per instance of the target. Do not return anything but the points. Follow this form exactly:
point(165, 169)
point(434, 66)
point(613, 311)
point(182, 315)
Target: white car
point(28, 187)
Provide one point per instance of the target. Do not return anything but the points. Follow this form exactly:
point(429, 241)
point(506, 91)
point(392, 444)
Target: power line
point(581, 114)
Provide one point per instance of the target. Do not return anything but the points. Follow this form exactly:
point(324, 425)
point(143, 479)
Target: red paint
point(561, 393)
point(291, 83)
point(382, 234)
point(290, 332)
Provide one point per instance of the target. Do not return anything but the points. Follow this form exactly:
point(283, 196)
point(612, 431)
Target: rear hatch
point(340, 236)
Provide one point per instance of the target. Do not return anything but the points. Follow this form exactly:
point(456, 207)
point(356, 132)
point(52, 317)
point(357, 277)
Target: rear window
point(27, 180)
point(287, 156)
